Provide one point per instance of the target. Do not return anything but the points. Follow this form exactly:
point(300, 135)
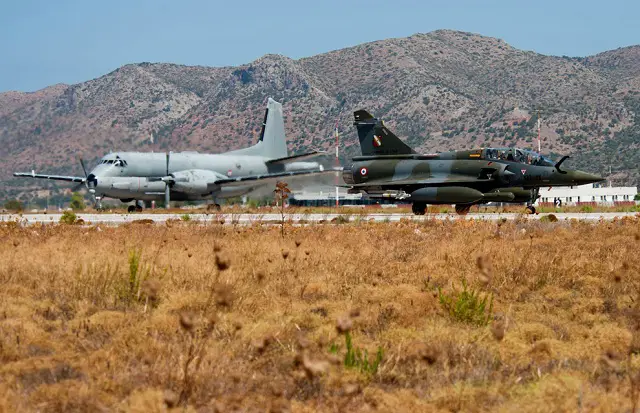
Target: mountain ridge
point(439, 91)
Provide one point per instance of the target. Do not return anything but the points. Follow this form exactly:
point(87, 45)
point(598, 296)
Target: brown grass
point(228, 319)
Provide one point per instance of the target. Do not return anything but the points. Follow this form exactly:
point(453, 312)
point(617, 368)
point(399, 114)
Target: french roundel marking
point(363, 171)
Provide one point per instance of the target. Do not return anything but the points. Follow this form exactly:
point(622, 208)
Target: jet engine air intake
point(347, 175)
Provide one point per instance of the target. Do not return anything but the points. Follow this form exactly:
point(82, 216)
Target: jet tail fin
point(375, 138)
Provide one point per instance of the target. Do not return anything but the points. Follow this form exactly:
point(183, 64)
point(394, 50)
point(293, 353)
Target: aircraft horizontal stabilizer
point(294, 158)
point(52, 177)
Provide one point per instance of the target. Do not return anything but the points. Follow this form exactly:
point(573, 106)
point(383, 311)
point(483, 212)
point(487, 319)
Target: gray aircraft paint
point(130, 175)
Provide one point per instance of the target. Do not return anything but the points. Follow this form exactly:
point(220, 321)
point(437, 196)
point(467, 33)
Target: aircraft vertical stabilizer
point(272, 143)
point(375, 138)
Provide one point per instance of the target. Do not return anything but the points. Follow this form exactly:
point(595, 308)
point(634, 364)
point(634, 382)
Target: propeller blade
point(77, 187)
point(84, 169)
point(167, 189)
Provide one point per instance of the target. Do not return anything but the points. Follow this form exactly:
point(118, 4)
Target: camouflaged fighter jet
point(388, 168)
point(182, 176)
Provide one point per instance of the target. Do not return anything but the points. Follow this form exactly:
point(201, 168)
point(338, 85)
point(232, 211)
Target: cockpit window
point(517, 155)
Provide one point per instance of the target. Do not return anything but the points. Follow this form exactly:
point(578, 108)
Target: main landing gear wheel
point(134, 208)
point(215, 207)
point(463, 209)
point(419, 208)
point(531, 209)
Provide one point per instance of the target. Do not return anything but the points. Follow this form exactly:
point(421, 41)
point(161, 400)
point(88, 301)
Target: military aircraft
point(388, 168)
point(182, 176)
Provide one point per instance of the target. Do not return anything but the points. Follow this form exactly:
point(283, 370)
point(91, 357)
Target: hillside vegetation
point(439, 91)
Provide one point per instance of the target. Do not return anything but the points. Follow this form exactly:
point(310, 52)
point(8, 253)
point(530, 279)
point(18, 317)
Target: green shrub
point(185, 217)
point(467, 305)
point(358, 359)
point(77, 202)
point(128, 290)
point(342, 219)
point(13, 205)
point(68, 217)
point(550, 218)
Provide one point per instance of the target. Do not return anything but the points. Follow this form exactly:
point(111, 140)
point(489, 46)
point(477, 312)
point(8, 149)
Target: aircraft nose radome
point(586, 178)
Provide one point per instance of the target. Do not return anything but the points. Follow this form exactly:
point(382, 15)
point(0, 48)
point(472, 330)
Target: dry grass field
point(338, 318)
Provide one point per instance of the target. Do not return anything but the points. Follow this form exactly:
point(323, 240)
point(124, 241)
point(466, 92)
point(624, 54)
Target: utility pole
point(337, 163)
point(538, 130)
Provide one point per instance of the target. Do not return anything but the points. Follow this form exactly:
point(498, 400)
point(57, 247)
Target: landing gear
point(214, 207)
point(463, 209)
point(139, 205)
point(98, 205)
point(531, 209)
point(419, 208)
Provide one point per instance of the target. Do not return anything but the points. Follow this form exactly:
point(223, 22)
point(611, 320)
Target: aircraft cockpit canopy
point(115, 162)
point(517, 155)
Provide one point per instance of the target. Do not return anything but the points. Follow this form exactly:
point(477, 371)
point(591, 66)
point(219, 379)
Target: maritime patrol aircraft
point(388, 168)
point(182, 176)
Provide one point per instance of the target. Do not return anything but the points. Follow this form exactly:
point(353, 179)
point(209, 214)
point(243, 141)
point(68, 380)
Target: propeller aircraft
point(182, 176)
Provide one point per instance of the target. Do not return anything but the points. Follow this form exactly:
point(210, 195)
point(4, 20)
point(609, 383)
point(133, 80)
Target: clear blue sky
point(68, 41)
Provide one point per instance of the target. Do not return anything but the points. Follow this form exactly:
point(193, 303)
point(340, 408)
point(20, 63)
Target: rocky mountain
point(439, 91)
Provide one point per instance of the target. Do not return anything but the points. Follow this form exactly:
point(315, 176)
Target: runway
point(249, 219)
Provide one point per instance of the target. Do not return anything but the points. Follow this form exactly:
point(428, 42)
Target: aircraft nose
point(583, 178)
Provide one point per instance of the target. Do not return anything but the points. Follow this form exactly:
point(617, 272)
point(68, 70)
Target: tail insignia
point(376, 141)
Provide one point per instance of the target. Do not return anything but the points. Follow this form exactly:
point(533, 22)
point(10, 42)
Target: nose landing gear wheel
point(131, 208)
point(463, 209)
point(419, 208)
point(531, 209)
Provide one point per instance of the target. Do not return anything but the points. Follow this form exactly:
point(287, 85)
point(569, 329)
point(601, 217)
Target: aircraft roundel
point(229, 172)
point(363, 171)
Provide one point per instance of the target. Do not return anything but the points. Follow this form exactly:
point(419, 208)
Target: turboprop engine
point(193, 181)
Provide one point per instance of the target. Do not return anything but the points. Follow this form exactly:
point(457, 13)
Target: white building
point(573, 195)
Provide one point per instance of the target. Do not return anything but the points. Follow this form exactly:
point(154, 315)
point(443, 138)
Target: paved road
point(246, 219)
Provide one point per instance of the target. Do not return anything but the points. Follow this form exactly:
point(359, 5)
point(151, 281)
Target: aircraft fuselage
point(125, 175)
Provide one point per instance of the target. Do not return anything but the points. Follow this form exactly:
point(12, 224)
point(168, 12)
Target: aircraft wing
point(52, 177)
point(257, 180)
point(452, 179)
point(294, 158)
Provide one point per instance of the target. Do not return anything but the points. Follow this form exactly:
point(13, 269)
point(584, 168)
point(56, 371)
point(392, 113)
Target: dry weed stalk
point(53, 312)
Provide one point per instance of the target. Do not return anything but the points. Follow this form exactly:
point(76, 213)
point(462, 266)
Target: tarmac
point(248, 219)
